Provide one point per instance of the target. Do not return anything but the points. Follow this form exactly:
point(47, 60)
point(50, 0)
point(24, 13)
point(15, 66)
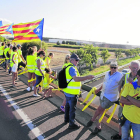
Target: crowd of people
point(116, 87)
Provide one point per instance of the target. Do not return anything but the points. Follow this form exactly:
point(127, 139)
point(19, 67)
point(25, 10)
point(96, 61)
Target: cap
point(75, 56)
point(18, 45)
point(113, 64)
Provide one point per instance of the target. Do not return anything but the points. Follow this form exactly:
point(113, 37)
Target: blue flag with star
point(39, 30)
point(9, 29)
point(0, 23)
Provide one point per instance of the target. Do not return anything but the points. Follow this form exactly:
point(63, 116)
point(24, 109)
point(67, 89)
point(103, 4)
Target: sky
point(110, 21)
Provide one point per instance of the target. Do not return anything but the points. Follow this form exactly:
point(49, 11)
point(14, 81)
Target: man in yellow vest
point(72, 90)
point(127, 78)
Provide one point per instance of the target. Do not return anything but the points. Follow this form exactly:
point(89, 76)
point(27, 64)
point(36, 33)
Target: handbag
point(122, 120)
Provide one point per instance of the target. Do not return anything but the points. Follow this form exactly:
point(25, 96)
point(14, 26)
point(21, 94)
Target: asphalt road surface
point(24, 117)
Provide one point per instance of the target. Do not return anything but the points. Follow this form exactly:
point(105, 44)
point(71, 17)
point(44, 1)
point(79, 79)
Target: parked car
point(124, 71)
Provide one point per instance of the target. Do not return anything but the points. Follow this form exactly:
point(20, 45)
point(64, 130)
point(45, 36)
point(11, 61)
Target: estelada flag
point(26, 32)
point(6, 29)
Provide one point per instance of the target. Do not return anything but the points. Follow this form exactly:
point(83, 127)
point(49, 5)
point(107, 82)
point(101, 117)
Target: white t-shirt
point(110, 86)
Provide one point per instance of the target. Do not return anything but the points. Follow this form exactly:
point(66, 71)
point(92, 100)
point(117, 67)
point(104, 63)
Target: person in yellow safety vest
point(10, 52)
point(66, 63)
point(39, 71)
point(48, 60)
point(127, 78)
point(130, 97)
point(2, 50)
point(72, 90)
point(31, 67)
point(7, 56)
point(46, 82)
point(21, 61)
point(14, 64)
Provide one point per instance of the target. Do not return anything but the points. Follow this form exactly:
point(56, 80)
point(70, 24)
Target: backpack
point(62, 81)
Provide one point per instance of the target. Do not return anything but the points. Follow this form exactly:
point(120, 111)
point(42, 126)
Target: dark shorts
point(105, 103)
point(21, 64)
point(38, 79)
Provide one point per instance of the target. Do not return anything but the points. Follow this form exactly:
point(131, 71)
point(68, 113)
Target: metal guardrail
point(103, 74)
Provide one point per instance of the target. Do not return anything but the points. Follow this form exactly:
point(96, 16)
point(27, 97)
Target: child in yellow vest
point(47, 81)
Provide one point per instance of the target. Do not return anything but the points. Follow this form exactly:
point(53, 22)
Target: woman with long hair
point(39, 71)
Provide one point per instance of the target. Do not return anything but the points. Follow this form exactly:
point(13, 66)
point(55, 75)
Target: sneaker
point(28, 89)
point(74, 126)
point(96, 131)
point(89, 123)
point(32, 87)
point(116, 137)
point(10, 73)
point(62, 108)
point(36, 95)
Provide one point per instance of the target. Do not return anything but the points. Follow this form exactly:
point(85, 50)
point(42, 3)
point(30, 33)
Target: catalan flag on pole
point(6, 29)
point(26, 32)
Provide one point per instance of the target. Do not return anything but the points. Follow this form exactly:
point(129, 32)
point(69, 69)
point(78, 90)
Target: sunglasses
point(113, 67)
point(68, 58)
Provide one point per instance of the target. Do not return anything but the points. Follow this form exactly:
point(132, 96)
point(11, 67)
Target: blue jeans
point(38, 79)
point(70, 109)
point(135, 128)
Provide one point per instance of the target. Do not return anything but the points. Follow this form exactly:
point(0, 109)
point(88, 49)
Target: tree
point(63, 42)
point(93, 51)
point(58, 43)
point(105, 55)
point(118, 53)
point(128, 53)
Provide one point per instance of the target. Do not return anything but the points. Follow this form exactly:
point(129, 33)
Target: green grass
point(123, 62)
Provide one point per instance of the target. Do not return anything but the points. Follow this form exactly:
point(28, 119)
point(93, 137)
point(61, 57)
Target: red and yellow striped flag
point(3, 30)
point(26, 32)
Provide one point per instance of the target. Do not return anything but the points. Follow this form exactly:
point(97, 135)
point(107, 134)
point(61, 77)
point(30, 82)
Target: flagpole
point(41, 44)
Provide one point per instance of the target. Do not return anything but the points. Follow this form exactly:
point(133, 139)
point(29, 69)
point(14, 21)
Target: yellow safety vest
point(15, 59)
point(31, 63)
point(5, 52)
point(37, 72)
point(46, 80)
point(127, 76)
point(46, 60)
point(35, 54)
point(73, 87)
point(1, 50)
point(65, 65)
point(19, 57)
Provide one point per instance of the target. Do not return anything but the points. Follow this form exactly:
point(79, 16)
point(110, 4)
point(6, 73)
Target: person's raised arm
point(83, 78)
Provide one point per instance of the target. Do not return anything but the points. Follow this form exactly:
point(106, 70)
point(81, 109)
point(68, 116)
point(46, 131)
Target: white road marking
point(24, 116)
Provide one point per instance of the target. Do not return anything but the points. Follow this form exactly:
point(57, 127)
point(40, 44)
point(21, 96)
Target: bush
point(26, 45)
point(3, 39)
